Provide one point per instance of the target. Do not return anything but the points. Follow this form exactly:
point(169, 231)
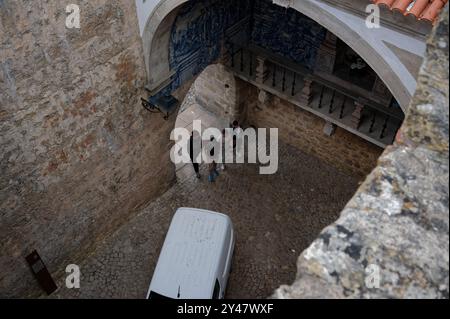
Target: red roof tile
point(422, 9)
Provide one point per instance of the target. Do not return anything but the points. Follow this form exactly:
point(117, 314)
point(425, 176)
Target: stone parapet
point(397, 224)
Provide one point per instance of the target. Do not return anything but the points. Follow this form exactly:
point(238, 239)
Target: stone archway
point(368, 43)
point(371, 44)
point(214, 99)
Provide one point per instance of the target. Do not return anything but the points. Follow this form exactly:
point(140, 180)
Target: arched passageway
point(174, 57)
point(212, 99)
point(235, 19)
point(323, 75)
point(275, 217)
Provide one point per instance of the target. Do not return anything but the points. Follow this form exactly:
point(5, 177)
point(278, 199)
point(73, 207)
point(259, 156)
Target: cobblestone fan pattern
point(399, 218)
point(275, 218)
point(78, 152)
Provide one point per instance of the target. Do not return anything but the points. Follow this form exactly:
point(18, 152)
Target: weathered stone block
point(78, 152)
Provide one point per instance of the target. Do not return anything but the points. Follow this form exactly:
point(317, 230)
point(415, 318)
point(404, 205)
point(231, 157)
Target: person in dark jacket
point(213, 173)
point(193, 156)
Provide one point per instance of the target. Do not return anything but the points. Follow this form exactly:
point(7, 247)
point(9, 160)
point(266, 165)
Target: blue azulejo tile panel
point(287, 32)
point(198, 33)
point(202, 26)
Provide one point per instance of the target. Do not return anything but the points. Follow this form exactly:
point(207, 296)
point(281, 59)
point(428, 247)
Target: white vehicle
point(195, 259)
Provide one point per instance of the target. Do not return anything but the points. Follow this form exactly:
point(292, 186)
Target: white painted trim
point(368, 43)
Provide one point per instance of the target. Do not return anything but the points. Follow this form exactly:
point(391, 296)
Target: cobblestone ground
point(275, 218)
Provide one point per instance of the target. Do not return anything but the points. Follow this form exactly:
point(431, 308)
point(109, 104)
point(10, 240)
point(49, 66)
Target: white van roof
point(190, 257)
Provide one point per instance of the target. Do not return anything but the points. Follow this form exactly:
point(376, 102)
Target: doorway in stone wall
point(212, 99)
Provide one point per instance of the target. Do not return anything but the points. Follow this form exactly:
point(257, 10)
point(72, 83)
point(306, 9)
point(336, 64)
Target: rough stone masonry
point(398, 220)
point(78, 153)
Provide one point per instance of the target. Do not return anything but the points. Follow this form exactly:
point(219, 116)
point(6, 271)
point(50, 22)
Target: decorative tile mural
point(287, 32)
point(198, 33)
point(201, 26)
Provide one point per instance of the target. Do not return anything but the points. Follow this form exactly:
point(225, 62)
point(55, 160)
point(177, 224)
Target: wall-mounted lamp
point(164, 104)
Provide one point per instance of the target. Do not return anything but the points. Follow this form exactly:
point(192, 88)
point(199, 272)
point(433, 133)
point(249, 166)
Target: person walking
point(213, 173)
point(194, 156)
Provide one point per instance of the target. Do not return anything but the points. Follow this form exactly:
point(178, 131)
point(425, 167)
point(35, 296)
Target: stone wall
point(396, 227)
point(216, 91)
point(78, 152)
point(343, 150)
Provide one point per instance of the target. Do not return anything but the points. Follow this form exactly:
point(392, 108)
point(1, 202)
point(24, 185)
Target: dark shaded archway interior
point(203, 30)
point(206, 31)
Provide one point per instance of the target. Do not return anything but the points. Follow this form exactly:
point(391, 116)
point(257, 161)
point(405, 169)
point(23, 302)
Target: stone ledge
point(399, 218)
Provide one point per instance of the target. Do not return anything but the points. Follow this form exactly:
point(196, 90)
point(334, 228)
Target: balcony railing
point(331, 101)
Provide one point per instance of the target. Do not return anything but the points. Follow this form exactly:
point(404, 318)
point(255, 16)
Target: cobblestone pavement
point(275, 218)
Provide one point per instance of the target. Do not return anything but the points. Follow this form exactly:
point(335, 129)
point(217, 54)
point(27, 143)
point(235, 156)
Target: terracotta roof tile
point(422, 9)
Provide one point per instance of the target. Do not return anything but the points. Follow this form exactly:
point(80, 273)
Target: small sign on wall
point(41, 273)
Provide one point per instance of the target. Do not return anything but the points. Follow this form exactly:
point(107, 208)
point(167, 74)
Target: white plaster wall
point(144, 9)
point(368, 43)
